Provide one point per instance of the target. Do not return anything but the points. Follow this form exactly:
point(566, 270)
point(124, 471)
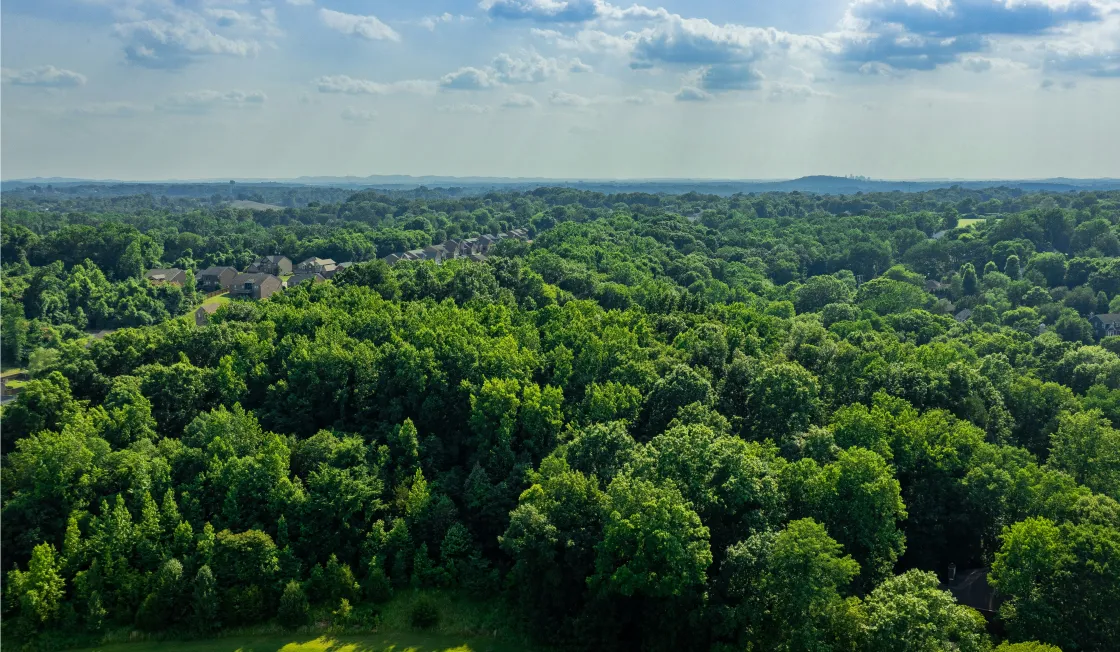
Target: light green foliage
point(909, 613)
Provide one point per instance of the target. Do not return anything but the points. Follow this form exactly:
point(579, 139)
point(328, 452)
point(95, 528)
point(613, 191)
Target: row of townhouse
point(474, 248)
point(259, 281)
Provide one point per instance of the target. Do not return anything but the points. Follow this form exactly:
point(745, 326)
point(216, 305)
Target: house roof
point(1109, 319)
point(314, 260)
point(301, 277)
point(216, 271)
point(163, 274)
point(345, 265)
point(275, 259)
point(209, 308)
point(963, 315)
point(256, 278)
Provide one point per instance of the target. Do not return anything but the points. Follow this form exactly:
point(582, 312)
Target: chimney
point(952, 572)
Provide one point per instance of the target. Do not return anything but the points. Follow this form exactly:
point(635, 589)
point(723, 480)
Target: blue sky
point(155, 89)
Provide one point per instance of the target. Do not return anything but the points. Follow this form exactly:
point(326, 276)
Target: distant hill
point(820, 184)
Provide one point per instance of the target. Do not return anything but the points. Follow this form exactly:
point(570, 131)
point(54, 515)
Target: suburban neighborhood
point(268, 275)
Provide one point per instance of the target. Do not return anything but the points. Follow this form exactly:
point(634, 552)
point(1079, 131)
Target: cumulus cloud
point(208, 100)
point(350, 114)
point(301, 3)
point(519, 101)
point(468, 79)
point(351, 86)
point(524, 68)
point(430, 22)
point(577, 66)
point(692, 94)
point(588, 40)
point(731, 77)
point(976, 64)
point(698, 41)
point(158, 43)
point(265, 22)
point(926, 34)
point(527, 68)
point(948, 18)
point(567, 11)
point(43, 77)
point(368, 27)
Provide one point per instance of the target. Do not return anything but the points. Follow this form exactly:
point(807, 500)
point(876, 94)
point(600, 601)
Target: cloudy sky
point(156, 89)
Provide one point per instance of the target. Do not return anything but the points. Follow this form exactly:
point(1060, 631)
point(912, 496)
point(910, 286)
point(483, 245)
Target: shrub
point(424, 613)
point(294, 607)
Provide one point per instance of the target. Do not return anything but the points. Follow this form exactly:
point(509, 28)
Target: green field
point(405, 642)
point(972, 221)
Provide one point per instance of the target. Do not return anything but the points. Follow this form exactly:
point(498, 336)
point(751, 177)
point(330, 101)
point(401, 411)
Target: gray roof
point(215, 271)
point(256, 278)
point(963, 315)
point(1109, 318)
point(163, 274)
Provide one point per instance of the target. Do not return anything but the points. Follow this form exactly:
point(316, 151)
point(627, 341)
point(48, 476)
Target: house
point(392, 258)
point(303, 277)
point(336, 270)
point(203, 312)
point(437, 253)
point(316, 264)
point(214, 279)
point(934, 286)
point(485, 242)
point(258, 285)
point(1106, 325)
point(275, 265)
point(172, 276)
point(971, 588)
point(963, 315)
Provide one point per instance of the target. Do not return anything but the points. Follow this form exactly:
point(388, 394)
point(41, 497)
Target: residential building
point(317, 265)
point(1106, 325)
point(302, 277)
point(963, 315)
point(254, 285)
point(275, 265)
point(214, 279)
point(171, 276)
point(341, 266)
point(203, 312)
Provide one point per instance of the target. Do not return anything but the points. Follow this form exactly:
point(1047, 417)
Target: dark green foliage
point(762, 429)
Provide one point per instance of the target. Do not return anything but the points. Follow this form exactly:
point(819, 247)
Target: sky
point(572, 89)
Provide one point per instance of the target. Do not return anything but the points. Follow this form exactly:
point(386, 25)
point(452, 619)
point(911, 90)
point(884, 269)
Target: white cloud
point(561, 98)
point(351, 86)
point(577, 66)
point(350, 114)
point(589, 40)
point(158, 43)
point(567, 11)
point(468, 79)
point(301, 3)
point(520, 101)
point(528, 68)
point(692, 94)
point(430, 22)
point(42, 76)
point(367, 27)
point(698, 41)
point(731, 77)
point(266, 23)
point(208, 100)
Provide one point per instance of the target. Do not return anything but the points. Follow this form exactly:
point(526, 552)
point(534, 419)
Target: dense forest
point(668, 422)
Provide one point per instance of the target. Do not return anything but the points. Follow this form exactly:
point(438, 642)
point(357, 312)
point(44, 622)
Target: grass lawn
point(403, 642)
point(971, 221)
point(218, 300)
point(11, 371)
